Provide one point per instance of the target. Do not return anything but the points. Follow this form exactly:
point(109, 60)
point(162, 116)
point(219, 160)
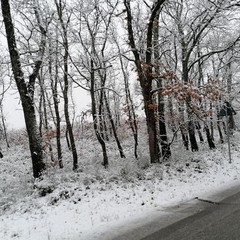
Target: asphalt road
point(219, 221)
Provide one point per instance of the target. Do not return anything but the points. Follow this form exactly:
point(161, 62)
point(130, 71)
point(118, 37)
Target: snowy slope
point(85, 204)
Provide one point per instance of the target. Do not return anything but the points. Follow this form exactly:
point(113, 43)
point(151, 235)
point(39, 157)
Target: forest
point(169, 67)
point(131, 111)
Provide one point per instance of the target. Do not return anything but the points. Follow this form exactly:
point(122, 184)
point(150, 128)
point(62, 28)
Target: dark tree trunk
point(101, 115)
point(198, 127)
point(184, 137)
point(191, 125)
point(5, 129)
point(3, 118)
point(40, 113)
point(26, 95)
point(171, 116)
point(68, 122)
point(192, 138)
point(231, 123)
point(209, 137)
point(130, 109)
point(95, 118)
point(183, 127)
point(166, 151)
point(151, 128)
point(66, 84)
point(165, 147)
point(54, 87)
point(105, 128)
point(144, 71)
point(44, 117)
point(122, 155)
point(220, 131)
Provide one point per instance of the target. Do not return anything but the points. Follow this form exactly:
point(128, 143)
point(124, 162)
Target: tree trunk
point(130, 109)
point(192, 137)
point(54, 87)
point(69, 128)
point(183, 127)
point(3, 118)
point(122, 155)
point(95, 118)
point(220, 131)
point(45, 117)
point(149, 107)
point(26, 96)
point(209, 137)
point(231, 122)
point(66, 84)
point(191, 125)
point(144, 71)
point(166, 151)
point(198, 127)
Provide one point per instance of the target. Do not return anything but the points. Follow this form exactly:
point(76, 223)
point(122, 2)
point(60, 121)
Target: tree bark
point(130, 109)
point(209, 137)
point(95, 118)
point(54, 87)
point(144, 71)
point(26, 94)
point(66, 83)
point(122, 155)
point(165, 147)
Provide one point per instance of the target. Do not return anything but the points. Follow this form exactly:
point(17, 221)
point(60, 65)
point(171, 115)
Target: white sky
point(13, 110)
point(13, 107)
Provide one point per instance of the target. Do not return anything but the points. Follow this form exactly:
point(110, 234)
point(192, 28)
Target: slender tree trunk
point(4, 127)
point(101, 113)
point(26, 96)
point(220, 131)
point(69, 129)
point(172, 123)
point(54, 87)
point(95, 118)
point(40, 113)
point(209, 137)
point(198, 127)
point(191, 132)
point(191, 125)
point(166, 151)
point(130, 109)
point(229, 90)
point(66, 84)
point(183, 127)
point(3, 118)
point(122, 155)
point(44, 117)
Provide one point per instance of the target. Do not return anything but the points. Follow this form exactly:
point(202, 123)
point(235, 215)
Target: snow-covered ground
point(82, 205)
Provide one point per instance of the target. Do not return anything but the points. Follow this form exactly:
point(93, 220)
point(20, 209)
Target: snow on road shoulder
point(67, 205)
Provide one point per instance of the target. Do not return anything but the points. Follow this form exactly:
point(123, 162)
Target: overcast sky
point(13, 107)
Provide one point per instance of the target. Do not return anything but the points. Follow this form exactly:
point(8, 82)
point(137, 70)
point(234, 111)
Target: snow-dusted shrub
point(18, 137)
point(143, 160)
point(62, 194)
point(44, 187)
point(130, 172)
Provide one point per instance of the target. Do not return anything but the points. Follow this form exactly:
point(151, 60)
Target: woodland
point(170, 65)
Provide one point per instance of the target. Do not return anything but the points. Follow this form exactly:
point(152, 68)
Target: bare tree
point(26, 89)
point(194, 31)
point(53, 67)
point(64, 25)
point(144, 66)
